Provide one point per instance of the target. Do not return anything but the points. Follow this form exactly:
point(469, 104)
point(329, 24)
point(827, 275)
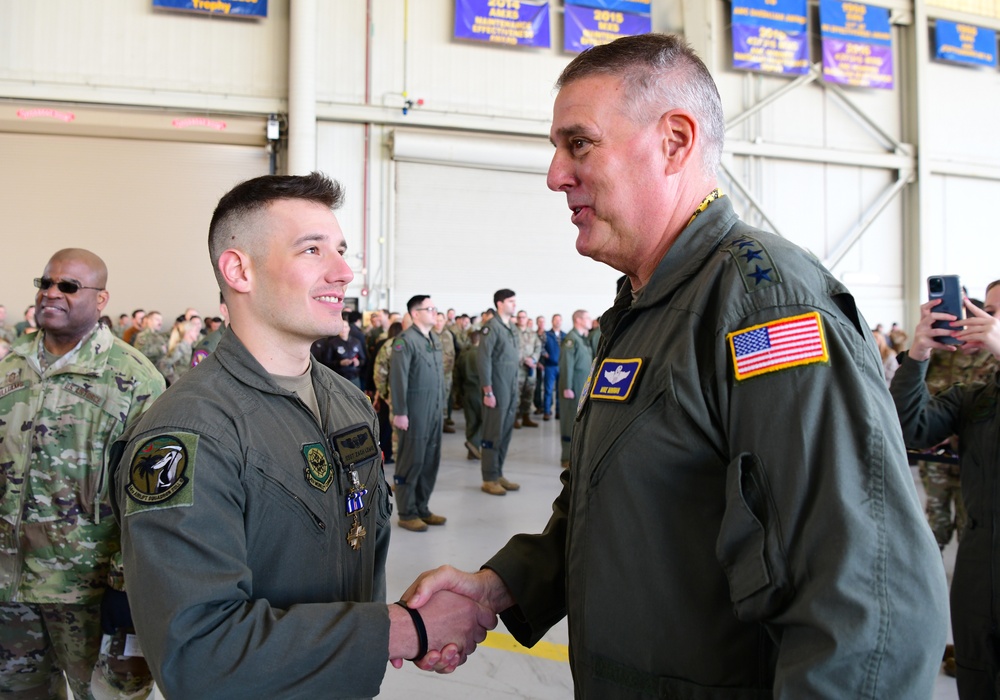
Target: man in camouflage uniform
point(68, 392)
point(446, 340)
point(527, 376)
point(6, 332)
point(151, 341)
point(941, 478)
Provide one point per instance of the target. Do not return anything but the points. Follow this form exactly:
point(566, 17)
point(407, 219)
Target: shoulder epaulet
point(757, 269)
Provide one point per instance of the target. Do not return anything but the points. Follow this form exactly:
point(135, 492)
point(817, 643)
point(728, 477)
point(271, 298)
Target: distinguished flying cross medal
point(355, 446)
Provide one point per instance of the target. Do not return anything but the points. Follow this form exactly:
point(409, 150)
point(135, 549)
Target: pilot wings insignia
point(616, 375)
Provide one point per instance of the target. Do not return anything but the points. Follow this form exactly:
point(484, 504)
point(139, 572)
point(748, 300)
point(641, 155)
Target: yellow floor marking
point(543, 650)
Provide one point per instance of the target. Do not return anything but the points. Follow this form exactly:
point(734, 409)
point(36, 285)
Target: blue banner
point(965, 43)
point(852, 21)
point(233, 8)
point(771, 36)
point(507, 22)
point(586, 27)
point(857, 44)
point(640, 6)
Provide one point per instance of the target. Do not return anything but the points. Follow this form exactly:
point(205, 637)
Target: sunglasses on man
point(64, 286)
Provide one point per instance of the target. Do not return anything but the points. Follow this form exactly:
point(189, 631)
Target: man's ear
point(680, 133)
point(237, 270)
point(103, 297)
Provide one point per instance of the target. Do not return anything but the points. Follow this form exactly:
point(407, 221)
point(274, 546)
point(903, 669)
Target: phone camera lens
point(935, 285)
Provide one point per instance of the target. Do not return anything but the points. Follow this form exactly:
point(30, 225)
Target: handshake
point(444, 614)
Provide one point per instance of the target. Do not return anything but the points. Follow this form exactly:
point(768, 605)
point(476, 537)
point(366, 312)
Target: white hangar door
point(465, 228)
point(143, 205)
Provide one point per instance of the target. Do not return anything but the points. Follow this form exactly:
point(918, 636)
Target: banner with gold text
point(857, 44)
point(507, 22)
point(771, 36)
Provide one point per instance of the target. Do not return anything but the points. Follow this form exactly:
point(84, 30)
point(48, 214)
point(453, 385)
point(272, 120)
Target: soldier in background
point(498, 358)
point(416, 379)
point(527, 377)
point(151, 341)
point(940, 474)
point(206, 346)
point(7, 333)
point(129, 334)
point(382, 402)
point(467, 377)
point(575, 358)
point(76, 386)
point(448, 354)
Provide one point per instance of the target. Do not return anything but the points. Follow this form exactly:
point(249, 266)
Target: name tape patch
point(355, 445)
point(786, 342)
point(615, 379)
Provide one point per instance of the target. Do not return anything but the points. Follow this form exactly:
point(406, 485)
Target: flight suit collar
point(233, 355)
point(695, 244)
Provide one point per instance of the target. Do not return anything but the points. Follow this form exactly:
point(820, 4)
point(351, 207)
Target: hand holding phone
point(948, 289)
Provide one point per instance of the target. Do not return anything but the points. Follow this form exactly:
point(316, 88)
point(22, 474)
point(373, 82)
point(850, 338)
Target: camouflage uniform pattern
point(531, 346)
point(173, 365)
point(152, 344)
point(380, 376)
point(57, 533)
point(446, 339)
point(941, 480)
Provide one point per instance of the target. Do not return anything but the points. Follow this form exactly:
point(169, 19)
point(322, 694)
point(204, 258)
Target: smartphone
point(948, 289)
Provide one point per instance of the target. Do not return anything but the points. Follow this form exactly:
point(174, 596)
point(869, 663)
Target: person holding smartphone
point(971, 412)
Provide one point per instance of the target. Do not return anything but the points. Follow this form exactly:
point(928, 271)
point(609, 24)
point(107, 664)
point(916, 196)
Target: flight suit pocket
point(749, 546)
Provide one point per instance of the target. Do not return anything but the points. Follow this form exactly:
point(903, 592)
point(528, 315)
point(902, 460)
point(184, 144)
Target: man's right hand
point(401, 422)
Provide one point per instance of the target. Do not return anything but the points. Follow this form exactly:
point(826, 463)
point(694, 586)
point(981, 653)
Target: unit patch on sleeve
point(786, 342)
point(615, 379)
point(161, 473)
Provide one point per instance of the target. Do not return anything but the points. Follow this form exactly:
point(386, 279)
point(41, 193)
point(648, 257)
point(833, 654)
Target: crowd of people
point(737, 516)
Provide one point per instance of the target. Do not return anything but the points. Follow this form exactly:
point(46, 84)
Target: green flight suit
point(737, 523)
point(417, 388)
point(238, 542)
point(575, 358)
point(497, 359)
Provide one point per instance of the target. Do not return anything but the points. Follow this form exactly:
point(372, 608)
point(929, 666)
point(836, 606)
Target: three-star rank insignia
point(319, 474)
point(755, 264)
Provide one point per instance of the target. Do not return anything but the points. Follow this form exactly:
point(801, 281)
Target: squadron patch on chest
point(161, 473)
point(786, 342)
point(318, 471)
point(615, 379)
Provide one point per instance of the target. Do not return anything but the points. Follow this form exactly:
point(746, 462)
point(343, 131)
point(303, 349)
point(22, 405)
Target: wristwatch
point(488, 394)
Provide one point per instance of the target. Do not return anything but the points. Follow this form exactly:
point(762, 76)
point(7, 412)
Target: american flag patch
point(786, 342)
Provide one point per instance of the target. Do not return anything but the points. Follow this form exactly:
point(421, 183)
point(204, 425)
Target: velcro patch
point(786, 342)
point(319, 474)
point(197, 356)
point(398, 344)
point(355, 445)
point(161, 473)
point(615, 379)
